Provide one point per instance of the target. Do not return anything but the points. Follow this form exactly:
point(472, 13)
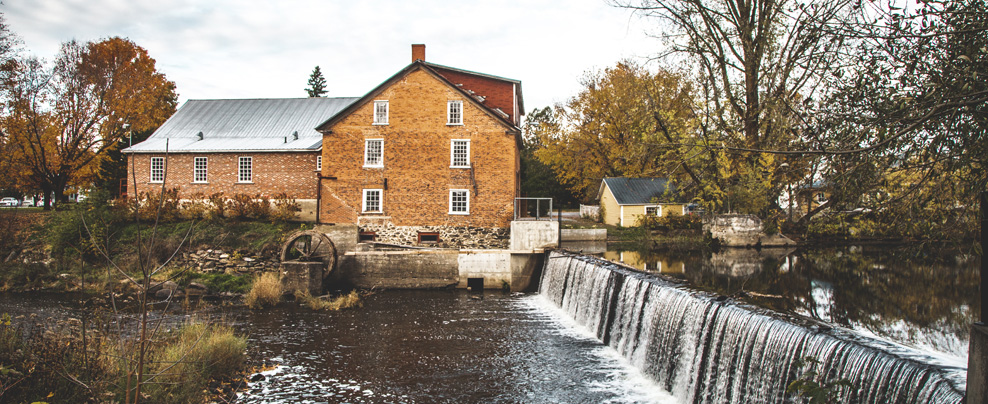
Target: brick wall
point(293, 173)
point(497, 93)
point(416, 177)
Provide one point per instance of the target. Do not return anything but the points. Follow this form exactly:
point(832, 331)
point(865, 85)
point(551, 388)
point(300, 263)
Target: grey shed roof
point(244, 125)
point(634, 191)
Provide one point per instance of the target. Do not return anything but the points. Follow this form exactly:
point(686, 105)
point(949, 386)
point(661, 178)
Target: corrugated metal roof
point(636, 191)
point(244, 125)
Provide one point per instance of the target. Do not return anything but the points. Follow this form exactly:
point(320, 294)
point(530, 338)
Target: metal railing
point(533, 209)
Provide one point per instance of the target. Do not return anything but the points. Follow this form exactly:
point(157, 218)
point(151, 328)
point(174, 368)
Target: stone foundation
point(449, 236)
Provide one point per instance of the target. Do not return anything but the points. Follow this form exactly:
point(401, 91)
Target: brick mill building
point(431, 151)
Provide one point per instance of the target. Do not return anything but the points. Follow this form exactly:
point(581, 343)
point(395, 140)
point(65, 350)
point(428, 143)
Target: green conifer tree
point(317, 84)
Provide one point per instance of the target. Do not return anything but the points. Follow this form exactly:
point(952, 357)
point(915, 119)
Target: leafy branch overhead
point(881, 106)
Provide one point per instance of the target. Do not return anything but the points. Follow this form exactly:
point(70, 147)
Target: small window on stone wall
point(367, 236)
point(428, 237)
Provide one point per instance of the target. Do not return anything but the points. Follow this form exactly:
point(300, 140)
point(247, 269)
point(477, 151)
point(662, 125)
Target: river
point(452, 346)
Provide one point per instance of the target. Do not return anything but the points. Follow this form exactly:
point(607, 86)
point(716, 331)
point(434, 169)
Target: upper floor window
point(245, 169)
point(318, 163)
point(459, 202)
point(381, 112)
point(374, 153)
point(157, 169)
point(199, 167)
point(372, 200)
point(454, 112)
point(459, 153)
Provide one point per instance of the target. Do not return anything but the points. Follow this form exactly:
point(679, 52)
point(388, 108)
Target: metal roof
point(635, 191)
point(267, 124)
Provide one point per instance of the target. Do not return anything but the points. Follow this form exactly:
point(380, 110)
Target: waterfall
point(706, 349)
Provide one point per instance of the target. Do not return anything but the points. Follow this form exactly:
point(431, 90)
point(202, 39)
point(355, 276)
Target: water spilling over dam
point(706, 349)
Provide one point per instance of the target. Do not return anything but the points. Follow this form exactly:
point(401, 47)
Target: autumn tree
point(758, 63)
point(627, 121)
point(317, 84)
point(62, 116)
point(538, 179)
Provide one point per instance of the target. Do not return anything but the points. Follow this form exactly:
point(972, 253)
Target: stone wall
point(742, 231)
point(734, 230)
point(449, 236)
point(220, 261)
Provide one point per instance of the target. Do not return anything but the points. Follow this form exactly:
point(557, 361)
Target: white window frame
point(380, 119)
point(319, 163)
point(157, 170)
point(367, 161)
point(452, 153)
point(466, 195)
point(454, 119)
point(380, 200)
point(245, 176)
point(197, 170)
point(658, 210)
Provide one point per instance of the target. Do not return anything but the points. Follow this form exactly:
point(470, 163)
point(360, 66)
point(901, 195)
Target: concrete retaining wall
point(535, 234)
point(420, 269)
point(584, 234)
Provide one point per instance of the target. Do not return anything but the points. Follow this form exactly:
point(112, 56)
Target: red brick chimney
point(418, 52)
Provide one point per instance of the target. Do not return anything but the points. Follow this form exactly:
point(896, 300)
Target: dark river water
point(438, 347)
point(457, 347)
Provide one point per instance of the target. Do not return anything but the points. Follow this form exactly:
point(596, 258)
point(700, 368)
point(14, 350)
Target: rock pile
point(219, 261)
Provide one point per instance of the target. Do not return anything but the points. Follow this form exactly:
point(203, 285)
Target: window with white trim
point(318, 163)
point(380, 112)
point(374, 153)
point(245, 169)
point(454, 112)
point(459, 154)
point(372, 200)
point(157, 169)
point(653, 210)
point(199, 169)
point(459, 202)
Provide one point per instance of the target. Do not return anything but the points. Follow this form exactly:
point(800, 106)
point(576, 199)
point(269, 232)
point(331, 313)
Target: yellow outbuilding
point(623, 201)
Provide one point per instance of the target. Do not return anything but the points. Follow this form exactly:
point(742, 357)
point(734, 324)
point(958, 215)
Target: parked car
point(10, 202)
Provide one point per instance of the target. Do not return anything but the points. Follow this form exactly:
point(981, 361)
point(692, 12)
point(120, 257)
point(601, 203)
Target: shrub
point(285, 208)
point(197, 207)
point(217, 203)
point(671, 222)
point(266, 291)
point(146, 204)
point(244, 206)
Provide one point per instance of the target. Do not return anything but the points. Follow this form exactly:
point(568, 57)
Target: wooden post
point(977, 354)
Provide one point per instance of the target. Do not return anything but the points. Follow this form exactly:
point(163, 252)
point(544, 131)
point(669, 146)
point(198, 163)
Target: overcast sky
point(267, 48)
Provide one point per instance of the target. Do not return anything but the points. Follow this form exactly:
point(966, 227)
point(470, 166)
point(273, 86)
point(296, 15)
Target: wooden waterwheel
point(310, 246)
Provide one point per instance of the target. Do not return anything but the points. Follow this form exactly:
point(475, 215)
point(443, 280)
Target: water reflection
point(918, 298)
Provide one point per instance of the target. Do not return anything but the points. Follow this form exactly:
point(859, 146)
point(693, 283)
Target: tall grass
point(266, 291)
point(348, 300)
point(68, 362)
